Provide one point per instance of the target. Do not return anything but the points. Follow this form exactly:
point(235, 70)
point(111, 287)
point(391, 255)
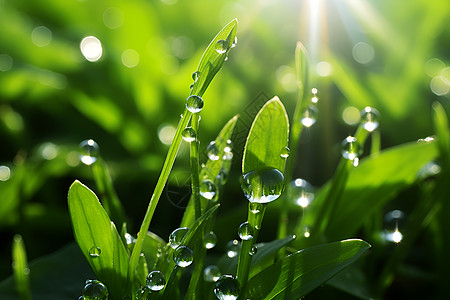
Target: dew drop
point(222, 177)
point(263, 186)
point(234, 42)
point(183, 256)
point(95, 290)
point(221, 46)
point(369, 118)
point(253, 250)
point(314, 91)
point(211, 273)
point(177, 236)
point(210, 240)
point(309, 116)
point(393, 221)
point(350, 148)
point(195, 76)
point(245, 231)
point(213, 151)
point(188, 134)
point(233, 248)
point(227, 288)
point(191, 86)
point(228, 146)
point(208, 189)
point(89, 152)
point(142, 293)
point(256, 207)
point(156, 281)
point(81, 298)
point(194, 103)
point(95, 252)
point(285, 152)
point(227, 156)
point(306, 232)
point(301, 192)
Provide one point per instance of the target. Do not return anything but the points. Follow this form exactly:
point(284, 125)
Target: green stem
point(245, 259)
point(195, 181)
point(168, 163)
point(376, 143)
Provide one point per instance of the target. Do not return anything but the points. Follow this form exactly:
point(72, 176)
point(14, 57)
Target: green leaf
point(441, 128)
point(299, 273)
point(212, 60)
point(20, 268)
point(94, 230)
point(268, 136)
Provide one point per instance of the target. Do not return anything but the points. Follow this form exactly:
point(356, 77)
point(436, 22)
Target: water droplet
point(314, 91)
point(253, 251)
point(183, 256)
point(211, 273)
point(194, 103)
point(222, 177)
point(300, 192)
point(255, 207)
point(234, 42)
point(208, 189)
point(309, 117)
point(285, 152)
point(81, 298)
point(228, 146)
point(188, 134)
point(210, 240)
point(142, 293)
point(306, 232)
point(156, 281)
point(195, 76)
point(177, 236)
point(95, 252)
point(95, 290)
point(89, 152)
point(369, 118)
point(430, 169)
point(129, 239)
point(351, 148)
point(213, 151)
point(393, 221)
point(428, 139)
point(221, 46)
point(245, 231)
point(227, 156)
point(191, 86)
point(227, 288)
point(233, 248)
point(263, 186)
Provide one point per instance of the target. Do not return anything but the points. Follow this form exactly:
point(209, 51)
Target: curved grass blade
point(213, 59)
point(20, 268)
point(98, 239)
point(270, 127)
point(299, 273)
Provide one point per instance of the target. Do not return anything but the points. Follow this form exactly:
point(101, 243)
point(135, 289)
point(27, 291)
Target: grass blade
point(20, 268)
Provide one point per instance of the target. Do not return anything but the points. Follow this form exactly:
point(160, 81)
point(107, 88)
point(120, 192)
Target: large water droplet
point(309, 116)
point(221, 46)
point(351, 148)
point(245, 231)
point(195, 76)
point(393, 221)
point(369, 118)
point(211, 273)
point(208, 189)
point(95, 290)
point(183, 256)
point(300, 192)
point(210, 240)
point(213, 151)
point(263, 186)
point(227, 288)
point(188, 134)
point(194, 103)
point(177, 236)
point(156, 281)
point(285, 152)
point(89, 152)
point(95, 252)
point(233, 248)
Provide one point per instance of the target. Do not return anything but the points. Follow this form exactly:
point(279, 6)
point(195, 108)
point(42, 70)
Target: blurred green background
point(392, 55)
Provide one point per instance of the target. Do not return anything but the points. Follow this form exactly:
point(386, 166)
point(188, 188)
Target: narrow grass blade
point(98, 239)
point(299, 273)
point(20, 268)
point(213, 58)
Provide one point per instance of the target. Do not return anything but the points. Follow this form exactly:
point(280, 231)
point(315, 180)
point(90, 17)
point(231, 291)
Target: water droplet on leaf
point(393, 221)
point(210, 240)
point(95, 252)
point(253, 250)
point(177, 236)
point(211, 273)
point(195, 76)
point(263, 186)
point(188, 134)
point(213, 151)
point(234, 42)
point(350, 148)
point(95, 290)
point(183, 256)
point(255, 207)
point(245, 231)
point(227, 288)
point(89, 152)
point(208, 189)
point(194, 103)
point(309, 116)
point(156, 281)
point(285, 152)
point(233, 248)
point(300, 192)
point(369, 118)
point(221, 46)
